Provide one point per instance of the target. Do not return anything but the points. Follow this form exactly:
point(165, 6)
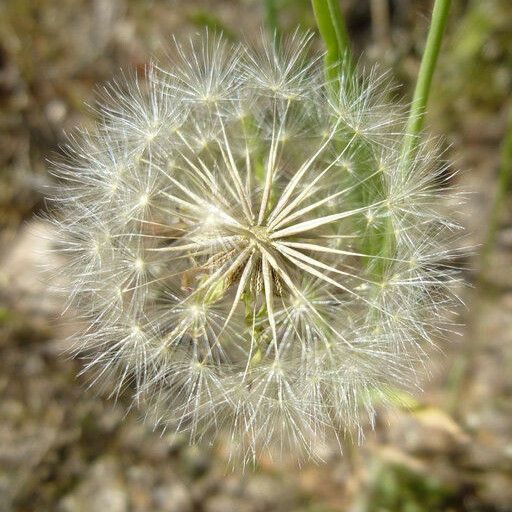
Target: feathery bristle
point(247, 247)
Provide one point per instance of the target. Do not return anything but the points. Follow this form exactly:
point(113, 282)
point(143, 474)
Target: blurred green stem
point(334, 33)
point(271, 17)
point(461, 371)
point(416, 118)
point(504, 180)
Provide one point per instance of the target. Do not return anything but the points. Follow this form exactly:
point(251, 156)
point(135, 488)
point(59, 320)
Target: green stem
point(340, 28)
point(335, 36)
point(271, 17)
point(461, 372)
point(416, 119)
point(504, 181)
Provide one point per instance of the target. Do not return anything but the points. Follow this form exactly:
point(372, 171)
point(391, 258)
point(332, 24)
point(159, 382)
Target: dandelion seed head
point(247, 248)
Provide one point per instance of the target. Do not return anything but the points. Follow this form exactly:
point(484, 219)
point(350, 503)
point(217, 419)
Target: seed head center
point(259, 233)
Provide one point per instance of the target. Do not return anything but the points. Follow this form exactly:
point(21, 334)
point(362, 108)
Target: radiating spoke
point(308, 225)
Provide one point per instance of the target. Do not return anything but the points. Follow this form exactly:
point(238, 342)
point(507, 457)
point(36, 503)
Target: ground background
point(65, 449)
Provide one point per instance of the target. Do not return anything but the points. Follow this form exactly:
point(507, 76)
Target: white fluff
point(247, 247)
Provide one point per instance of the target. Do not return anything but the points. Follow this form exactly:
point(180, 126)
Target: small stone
point(268, 493)
point(173, 498)
point(56, 111)
point(102, 489)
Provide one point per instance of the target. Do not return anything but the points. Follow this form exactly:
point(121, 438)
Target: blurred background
point(67, 449)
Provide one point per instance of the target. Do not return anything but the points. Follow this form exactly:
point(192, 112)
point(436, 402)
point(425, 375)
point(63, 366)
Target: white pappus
point(248, 249)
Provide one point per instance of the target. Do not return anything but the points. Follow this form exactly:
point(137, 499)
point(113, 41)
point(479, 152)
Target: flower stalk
point(504, 181)
point(271, 17)
point(333, 31)
point(417, 112)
